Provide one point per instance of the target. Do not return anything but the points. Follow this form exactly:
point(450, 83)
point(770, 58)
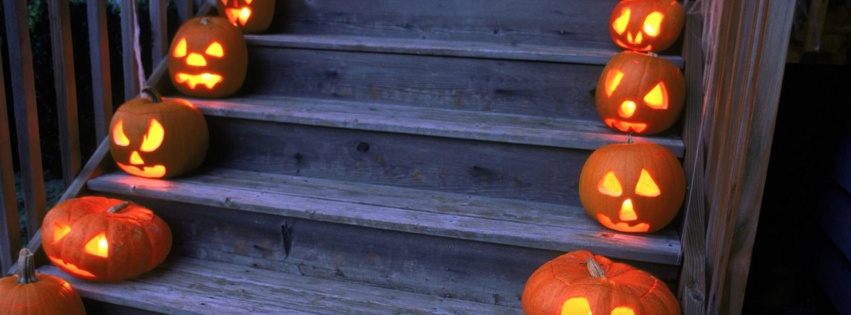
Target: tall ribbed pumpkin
point(582, 283)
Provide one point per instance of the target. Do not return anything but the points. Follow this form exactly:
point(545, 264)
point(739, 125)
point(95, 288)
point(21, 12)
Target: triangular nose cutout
point(627, 212)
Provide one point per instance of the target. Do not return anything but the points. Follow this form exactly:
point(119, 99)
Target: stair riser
point(503, 86)
point(535, 173)
point(513, 22)
point(445, 267)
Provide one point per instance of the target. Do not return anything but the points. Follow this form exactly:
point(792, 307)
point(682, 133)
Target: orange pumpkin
point(208, 58)
point(646, 25)
point(251, 16)
point(156, 137)
point(582, 283)
point(640, 93)
point(27, 292)
point(104, 239)
point(632, 187)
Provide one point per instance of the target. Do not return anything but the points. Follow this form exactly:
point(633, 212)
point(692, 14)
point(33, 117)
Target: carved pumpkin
point(208, 58)
point(251, 16)
point(104, 239)
point(156, 137)
point(640, 93)
point(646, 25)
point(582, 283)
point(27, 292)
point(633, 187)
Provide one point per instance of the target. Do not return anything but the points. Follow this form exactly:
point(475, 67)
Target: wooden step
point(507, 128)
point(189, 286)
point(490, 220)
point(510, 22)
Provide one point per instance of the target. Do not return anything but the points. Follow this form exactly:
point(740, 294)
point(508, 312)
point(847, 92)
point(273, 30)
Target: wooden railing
point(25, 109)
point(739, 47)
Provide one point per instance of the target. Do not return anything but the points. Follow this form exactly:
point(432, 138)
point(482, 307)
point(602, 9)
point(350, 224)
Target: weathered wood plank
point(10, 229)
point(100, 67)
point(743, 84)
point(66, 88)
point(513, 22)
point(187, 286)
point(26, 112)
point(275, 195)
point(470, 125)
point(692, 282)
point(561, 54)
point(130, 66)
point(488, 85)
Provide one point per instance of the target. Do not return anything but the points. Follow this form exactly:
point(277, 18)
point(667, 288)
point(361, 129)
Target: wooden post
point(128, 48)
point(744, 71)
point(66, 88)
point(101, 79)
point(26, 113)
point(10, 229)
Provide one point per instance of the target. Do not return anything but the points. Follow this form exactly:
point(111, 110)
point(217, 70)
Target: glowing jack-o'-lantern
point(208, 58)
point(251, 16)
point(646, 25)
point(156, 137)
point(103, 239)
point(632, 187)
point(580, 283)
point(640, 93)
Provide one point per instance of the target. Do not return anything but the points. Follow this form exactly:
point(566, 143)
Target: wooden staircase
point(391, 157)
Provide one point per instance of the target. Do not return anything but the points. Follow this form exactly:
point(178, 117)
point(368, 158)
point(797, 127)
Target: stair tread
point(495, 220)
point(184, 285)
point(450, 48)
point(472, 125)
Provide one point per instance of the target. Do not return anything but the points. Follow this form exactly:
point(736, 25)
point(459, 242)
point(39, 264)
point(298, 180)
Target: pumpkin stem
point(153, 94)
point(26, 267)
point(118, 207)
point(594, 269)
point(629, 139)
point(205, 20)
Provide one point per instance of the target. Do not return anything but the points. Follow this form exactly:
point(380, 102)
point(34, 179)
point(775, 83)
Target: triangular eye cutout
point(646, 185)
point(576, 305)
point(154, 137)
point(623, 310)
point(118, 136)
point(180, 49)
point(215, 49)
point(98, 246)
point(248, 2)
point(613, 79)
point(610, 185)
point(653, 24)
point(59, 231)
point(620, 24)
point(657, 98)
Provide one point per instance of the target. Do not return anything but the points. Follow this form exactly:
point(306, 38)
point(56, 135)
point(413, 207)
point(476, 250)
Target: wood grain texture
point(500, 86)
point(100, 67)
point(508, 222)
point(743, 87)
point(513, 22)
point(10, 228)
point(26, 112)
point(692, 280)
point(189, 286)
point(65, 84)
point(436, 122)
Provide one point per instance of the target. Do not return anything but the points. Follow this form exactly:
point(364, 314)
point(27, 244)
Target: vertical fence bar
point(26, 114)
point(101, 78)
point(128, 40)
point(184, 10)
point(66, 88)
point(159, 30)
point(10, 229)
